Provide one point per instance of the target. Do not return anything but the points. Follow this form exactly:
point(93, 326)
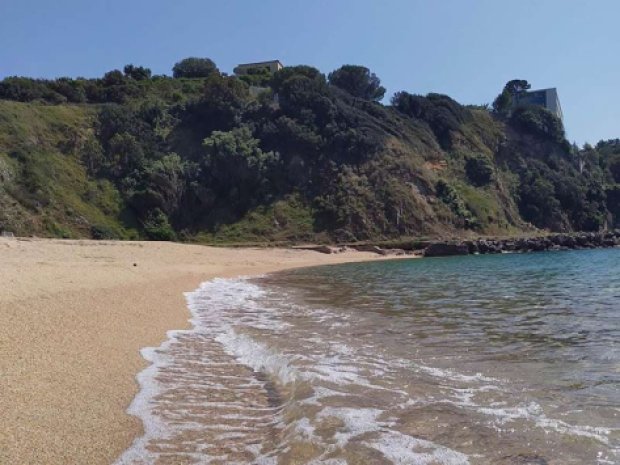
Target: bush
point(103, 232)
point(357, 81)
point(539, 121)
point(479, 170)
point(281, 76)
point(448, 195)
point(26, 90)
point(157, 227)
point(537, 202)
point(194, 68)
point(138, 73)
point(442, 113)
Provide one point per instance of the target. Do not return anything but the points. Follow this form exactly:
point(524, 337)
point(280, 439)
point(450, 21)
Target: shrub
point(103, 232)
point(138, 73)
point(539, 121)
point(194, 68)
point(358, 81)
point(442, 113)
point(157, 227)
point(281, 76)
point(448, 195)
point(479, 170)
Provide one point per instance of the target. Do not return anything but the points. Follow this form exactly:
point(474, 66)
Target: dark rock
point(509, 246)
point(483, 246)
point(472, 246)
point(444, 249)
point(521, 245)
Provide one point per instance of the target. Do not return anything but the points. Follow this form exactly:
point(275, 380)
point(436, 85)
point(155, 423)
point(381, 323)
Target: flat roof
point(541, 90)
point(260, 63)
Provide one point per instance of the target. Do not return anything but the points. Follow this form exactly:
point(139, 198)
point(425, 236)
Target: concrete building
point(547, 98)
point(270, 66)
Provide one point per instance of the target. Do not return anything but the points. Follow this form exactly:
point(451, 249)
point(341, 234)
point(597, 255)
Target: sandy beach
point(73, 318)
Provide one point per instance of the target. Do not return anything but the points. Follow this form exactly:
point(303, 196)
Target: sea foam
point(205, 395)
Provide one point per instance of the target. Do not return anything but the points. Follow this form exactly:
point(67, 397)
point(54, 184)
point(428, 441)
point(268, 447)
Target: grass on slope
point(44, 187)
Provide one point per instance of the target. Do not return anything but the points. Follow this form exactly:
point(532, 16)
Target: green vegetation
point(503, 103)
point(194, 68)
point(358, 81)
point(200, 157)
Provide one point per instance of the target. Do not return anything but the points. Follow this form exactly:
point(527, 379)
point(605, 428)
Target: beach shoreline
point(74, 315)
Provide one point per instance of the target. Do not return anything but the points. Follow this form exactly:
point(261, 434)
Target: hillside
point(299, 158)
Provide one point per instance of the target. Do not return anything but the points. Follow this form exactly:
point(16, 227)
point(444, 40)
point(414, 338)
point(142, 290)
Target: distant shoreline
point(488, 245)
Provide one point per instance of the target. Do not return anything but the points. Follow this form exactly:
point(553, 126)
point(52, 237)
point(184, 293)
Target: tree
point(223, 101)
point(157, 227)
point(237, 164)
point(479, 170)
point(194, 68)
point(281, 76)
point(517, 86)
point(540, 121)
point(443, 114)
point(357, 81)
point(415, 106)
point(113, 78)
point(138, 73)
point(503, 102)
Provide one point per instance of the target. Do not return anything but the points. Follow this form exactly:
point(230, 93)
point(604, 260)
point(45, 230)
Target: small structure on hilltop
point(547, 98)
point(262, 66)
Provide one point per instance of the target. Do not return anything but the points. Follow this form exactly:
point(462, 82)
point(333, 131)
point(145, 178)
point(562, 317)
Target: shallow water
point(506, 359)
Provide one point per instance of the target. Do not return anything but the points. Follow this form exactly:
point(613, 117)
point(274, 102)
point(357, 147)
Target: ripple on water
point(275, 372)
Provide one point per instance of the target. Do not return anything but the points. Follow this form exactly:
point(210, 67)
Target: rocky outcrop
point(444, 249)
point(530, 244)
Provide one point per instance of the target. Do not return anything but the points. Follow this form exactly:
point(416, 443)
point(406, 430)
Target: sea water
point(505, 359)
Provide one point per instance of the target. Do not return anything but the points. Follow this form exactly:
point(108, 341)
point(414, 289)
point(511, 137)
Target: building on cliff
point(269, 66)
point(547, 98)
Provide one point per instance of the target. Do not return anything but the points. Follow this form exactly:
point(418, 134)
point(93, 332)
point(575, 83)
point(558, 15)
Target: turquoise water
point(503, 360)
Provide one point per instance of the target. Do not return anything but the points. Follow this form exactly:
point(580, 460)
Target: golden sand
point(73, 317)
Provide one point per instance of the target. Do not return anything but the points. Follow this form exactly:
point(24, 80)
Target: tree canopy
point(139, 73)
point(193, 67)
point(179, 158)
point(357, 81)
point(517, 86)
point(503, 102)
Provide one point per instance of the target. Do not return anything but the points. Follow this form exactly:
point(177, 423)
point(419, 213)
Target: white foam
point(257, 356)
point(232, 330)
point(356, 421)
point(208, 305)
point(402, 449)
point(534, 412)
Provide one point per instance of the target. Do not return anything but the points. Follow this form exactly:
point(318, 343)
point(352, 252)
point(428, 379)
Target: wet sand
point(73, 317)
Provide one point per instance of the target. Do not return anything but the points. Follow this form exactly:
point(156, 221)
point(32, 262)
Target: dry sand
point(73, 317)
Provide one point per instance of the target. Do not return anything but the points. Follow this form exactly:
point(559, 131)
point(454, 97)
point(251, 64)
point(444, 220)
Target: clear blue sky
point(464, 48)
